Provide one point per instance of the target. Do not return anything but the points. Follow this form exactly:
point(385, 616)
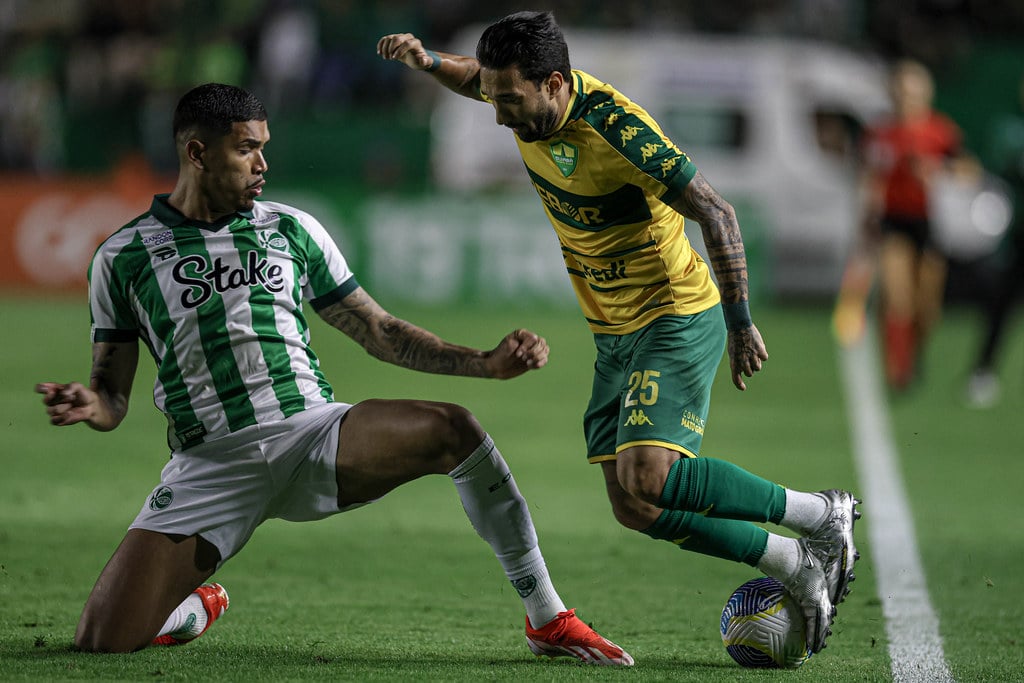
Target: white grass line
point(911, 625)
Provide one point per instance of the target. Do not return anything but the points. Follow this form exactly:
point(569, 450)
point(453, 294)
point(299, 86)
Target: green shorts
point(653, 386)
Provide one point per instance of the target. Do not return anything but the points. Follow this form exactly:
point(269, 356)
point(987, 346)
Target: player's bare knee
point(458, 434)
point(642, 482)
point(634, 514)
point(630, 519)
point(642, 472)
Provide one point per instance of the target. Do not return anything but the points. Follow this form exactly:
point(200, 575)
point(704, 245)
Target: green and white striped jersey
point(220, 307)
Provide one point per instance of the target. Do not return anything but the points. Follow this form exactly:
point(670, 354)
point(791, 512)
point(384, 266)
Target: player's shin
point(725, 538)
point(501, 517)
point(717, 488)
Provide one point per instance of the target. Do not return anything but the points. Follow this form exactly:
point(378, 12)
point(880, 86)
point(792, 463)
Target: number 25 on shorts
point(643, 386)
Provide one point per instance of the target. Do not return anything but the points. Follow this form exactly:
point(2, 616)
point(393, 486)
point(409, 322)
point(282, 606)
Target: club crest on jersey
point(271, 239)
point(565, 156)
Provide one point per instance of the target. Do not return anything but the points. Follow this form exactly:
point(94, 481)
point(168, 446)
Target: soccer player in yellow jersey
point(616, 189)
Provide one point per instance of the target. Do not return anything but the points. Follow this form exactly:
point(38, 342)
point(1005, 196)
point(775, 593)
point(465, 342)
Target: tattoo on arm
point(113, 369)
point(700, 202)
point(397, 341)
point(102, 355)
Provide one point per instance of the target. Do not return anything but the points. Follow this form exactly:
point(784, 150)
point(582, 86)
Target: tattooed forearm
point(412, 347)
point(701, 203)
point(397, 341)
point(102, 361)
point(113, 370)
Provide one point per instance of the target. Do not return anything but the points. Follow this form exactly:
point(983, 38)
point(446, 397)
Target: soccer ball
point(763, 628)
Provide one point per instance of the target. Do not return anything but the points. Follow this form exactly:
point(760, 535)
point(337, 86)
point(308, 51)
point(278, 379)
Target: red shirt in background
point(901, 153)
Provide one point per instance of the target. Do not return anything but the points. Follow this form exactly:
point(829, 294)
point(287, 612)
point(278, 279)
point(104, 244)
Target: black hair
point(529, 41)
point(210, 109)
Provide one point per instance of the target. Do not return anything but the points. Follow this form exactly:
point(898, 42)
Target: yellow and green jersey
point(606, 178)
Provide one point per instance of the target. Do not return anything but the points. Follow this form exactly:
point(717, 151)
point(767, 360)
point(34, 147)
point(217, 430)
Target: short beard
point(545, 126)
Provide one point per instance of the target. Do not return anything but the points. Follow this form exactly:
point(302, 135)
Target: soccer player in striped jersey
point(616, 190)
point(213, 283)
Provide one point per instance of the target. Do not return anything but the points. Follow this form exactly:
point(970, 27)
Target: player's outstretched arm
point(399, 342)
point(104, 403)
point(458, 73)
point(721, 231)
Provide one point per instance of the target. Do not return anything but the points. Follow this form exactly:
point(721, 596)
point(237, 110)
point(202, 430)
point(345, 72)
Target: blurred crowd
point(118, 65)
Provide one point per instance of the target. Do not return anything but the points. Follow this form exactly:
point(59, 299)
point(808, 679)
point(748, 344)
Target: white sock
point(187, 619)
point(804, 511)
point(781, 557)
point(532, 582)
point(501, 517)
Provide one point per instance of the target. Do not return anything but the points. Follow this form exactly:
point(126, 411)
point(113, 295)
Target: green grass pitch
point(405, 590)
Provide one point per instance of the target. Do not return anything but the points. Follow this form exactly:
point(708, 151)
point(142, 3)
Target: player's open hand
point(67, 404)
point(405, 48)
point(519, 352)
point(746, 354)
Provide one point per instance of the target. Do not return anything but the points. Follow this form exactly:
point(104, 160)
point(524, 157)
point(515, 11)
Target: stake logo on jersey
point(203, 278)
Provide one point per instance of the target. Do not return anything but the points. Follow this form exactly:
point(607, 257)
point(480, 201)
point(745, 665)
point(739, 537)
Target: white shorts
point(223, 489)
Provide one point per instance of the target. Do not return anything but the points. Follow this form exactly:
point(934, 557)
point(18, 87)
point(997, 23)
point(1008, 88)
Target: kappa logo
point(565, 156)
point(637, 417)
point(161, 498)
point(628, 133)
point(649, 150)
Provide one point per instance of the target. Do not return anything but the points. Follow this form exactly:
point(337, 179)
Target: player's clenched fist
point(405, 48)
point(520, 351)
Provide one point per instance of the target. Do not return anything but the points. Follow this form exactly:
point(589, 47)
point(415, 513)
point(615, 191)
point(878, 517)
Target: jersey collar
point(171, 217)
point(577, 87)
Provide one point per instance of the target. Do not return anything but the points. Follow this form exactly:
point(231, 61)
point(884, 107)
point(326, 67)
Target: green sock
point(728, 539)
point(717, 488)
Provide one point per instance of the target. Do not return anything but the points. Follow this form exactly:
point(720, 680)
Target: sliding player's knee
point(103, 636)
point(457, 433)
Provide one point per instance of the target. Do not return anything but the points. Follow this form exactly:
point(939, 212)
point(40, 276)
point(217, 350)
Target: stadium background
point(86, 90)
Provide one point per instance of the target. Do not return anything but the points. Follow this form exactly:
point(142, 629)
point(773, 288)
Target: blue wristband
point(436, 64)
point(737, 316)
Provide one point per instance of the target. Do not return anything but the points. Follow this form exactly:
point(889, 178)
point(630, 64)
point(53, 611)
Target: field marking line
point(911, 625)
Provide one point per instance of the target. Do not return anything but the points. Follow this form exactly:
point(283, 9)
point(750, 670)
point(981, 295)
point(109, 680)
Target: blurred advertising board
point(52, 226)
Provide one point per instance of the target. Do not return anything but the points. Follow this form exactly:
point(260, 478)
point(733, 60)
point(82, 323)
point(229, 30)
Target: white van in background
point(773, 124)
